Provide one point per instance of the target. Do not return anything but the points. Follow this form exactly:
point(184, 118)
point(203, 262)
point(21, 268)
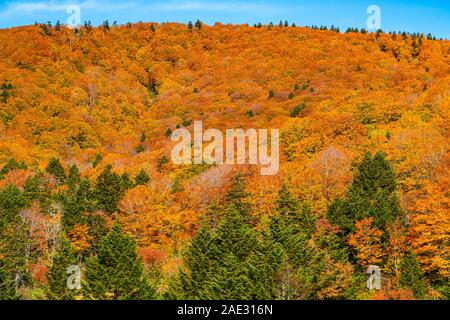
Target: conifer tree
point(76, 202)
point(142, 178)
point(411, 275)
point(74, 177)
point(372, 194)
point(55, 168)
point(198, 24)
point(227, 261)
point(116, 272)
point(7, 285)
point(108, 190)
point(57, 274)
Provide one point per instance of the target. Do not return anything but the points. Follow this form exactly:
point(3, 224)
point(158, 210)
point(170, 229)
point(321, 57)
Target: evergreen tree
point(372, 194)
point(198, 24)
point(227, 259)
point(105, 25)
point(190, 25)
point(76, 202)
point(411, 275)
point(126, 182)
point(11, 201)
point(57, 274)
point(108, 190)
point(7, 285)
point(116, 272)
point(142, 178)
point(55, 168)
point(12, 164)
point(74, 177)
point(97, 160)
point(37, 188)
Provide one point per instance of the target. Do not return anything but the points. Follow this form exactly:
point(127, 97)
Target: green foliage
point(296, 110)
point(76, 202)
point(7, 285)
point(116, 272)
point(411, 275)
point(12, 164)
point(230, 260)
point(74, 177)
point(161, 162)
point(97, 160)
point(11, 201)
point(108, 190)
point(142, 178)
point(198, 25)
point(372, 194)
point(55, 168)
point(37, 188)
point(57, 274)
point(17, 251)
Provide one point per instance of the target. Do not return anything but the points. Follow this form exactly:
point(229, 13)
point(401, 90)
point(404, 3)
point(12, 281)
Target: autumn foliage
point(85, 122)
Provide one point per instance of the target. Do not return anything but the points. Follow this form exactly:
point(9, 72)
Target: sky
point(431, 16)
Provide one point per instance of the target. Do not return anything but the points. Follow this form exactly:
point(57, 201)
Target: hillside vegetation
point(86, 178)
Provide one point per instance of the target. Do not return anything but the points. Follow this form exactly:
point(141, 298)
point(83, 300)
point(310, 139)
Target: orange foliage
point(366, 240)
point(79, 238)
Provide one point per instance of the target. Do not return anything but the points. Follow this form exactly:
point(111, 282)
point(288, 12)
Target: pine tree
point(11, 201)
point(105, 25)
point(37, 188)
point(290, 230)
point(411, 275)
point(372, 194)
point(55, 168)
point(74, 177)
point(7, 285)
point(227, 259)
point(76, 202)
point(57, 274)
point(12, 164)
point(198, 24)
point(142, 178)
point(116, 272)
point(190, 25)
point(108, 190)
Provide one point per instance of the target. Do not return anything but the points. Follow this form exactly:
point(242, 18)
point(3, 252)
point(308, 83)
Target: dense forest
point(86, 178)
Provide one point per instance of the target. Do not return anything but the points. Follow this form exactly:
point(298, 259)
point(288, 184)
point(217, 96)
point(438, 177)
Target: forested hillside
point(86, 178)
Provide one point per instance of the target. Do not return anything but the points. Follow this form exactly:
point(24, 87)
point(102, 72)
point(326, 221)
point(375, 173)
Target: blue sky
point(413, 15)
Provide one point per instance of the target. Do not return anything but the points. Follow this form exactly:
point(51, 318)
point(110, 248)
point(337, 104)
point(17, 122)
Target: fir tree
point(227, 259)
point(109, 188)
point(116, 272)
point(372, 194)
point(7, 285)
point(55, 168)
point(411, 275)
point(74, 177)
point(12, 164)
point(142, 178)
point(57, 274)
point(198, 24)
point(76, 202)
